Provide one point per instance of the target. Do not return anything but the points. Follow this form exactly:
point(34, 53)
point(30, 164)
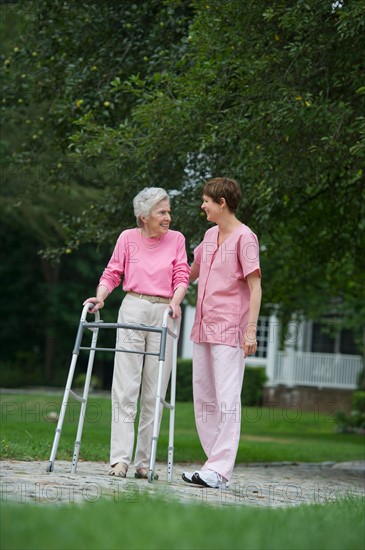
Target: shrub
point(79, 382)
point(22, 371)
point(184, 380)
point(354, 422)
point(253, 386)
point(361, 380)
point(358, 401)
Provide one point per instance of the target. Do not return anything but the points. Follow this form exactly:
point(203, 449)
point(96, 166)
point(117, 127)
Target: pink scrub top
point(223, 292)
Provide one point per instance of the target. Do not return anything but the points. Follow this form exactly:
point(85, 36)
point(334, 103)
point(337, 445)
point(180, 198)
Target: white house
point(311, 367)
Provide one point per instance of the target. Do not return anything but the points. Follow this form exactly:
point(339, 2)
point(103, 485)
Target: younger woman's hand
point(249, 344)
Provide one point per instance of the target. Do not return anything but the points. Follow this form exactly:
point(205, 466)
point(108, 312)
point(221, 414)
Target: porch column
point(272, 347)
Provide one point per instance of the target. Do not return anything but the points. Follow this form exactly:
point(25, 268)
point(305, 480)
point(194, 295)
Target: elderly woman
point(152, 260)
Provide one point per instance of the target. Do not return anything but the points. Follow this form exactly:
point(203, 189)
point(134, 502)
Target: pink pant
point(217, 383)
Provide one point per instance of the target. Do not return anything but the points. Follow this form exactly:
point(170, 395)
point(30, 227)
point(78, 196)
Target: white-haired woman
point(152, 260)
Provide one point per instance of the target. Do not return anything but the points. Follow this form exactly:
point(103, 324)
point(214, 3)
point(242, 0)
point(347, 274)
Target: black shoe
point(189, 477)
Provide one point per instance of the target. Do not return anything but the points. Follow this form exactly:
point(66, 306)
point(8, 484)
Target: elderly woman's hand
point(176, 310)
point(99, 303)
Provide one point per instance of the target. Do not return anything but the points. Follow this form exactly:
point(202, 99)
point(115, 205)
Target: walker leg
point(170, 455)
point(84, 403)
point(151, 473)
point(62, 413)
point(75, 355)
point(156, 423)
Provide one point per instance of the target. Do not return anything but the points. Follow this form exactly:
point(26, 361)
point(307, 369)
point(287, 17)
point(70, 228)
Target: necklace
point(150, 242)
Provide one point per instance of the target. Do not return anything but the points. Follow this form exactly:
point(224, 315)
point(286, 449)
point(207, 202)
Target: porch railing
point(294, 368)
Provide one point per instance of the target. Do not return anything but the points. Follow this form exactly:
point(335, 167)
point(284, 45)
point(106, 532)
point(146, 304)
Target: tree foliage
point(58, 62)
point(65, 65)
point(169, 93)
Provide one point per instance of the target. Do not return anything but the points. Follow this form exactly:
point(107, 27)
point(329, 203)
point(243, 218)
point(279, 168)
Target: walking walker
point(94, 327)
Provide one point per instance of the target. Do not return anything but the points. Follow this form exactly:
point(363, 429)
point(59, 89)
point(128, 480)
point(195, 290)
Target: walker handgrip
point(85, 311)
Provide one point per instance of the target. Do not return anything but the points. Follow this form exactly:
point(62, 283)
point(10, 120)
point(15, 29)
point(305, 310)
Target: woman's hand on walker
point(176, 311)
point(99, 304)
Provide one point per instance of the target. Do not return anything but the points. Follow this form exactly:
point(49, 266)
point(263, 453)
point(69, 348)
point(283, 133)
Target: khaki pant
point(136, 375)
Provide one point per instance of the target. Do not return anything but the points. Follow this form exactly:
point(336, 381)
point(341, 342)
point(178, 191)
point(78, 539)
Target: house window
point(347, 343)
point(342, 342)
point(262, 336)
point(321, 341)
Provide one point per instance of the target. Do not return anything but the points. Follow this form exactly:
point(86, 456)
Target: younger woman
point(224, 331)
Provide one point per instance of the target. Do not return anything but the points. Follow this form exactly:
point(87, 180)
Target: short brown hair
point(224, 188)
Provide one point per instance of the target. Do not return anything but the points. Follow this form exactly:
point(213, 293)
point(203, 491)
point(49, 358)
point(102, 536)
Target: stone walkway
point(269, 485)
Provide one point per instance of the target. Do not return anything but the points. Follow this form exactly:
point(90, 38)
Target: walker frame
point(94, 327)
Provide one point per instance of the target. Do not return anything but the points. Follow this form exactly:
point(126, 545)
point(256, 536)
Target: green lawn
point(267, 434)
point(151, 523)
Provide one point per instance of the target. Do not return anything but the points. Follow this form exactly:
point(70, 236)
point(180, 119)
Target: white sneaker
point(189, 477)
point(210, 478)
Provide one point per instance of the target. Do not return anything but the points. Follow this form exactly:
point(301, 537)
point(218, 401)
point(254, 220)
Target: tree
point(59, 59)
point(65, 65)
point(272, 95)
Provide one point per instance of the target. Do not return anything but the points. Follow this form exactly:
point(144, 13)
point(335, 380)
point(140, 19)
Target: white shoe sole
point(219, 485)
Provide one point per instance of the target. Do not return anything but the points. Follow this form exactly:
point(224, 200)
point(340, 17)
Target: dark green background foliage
point(101, 99)
point(358, 401)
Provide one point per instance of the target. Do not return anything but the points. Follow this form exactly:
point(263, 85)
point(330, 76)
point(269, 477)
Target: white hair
point(146, 200)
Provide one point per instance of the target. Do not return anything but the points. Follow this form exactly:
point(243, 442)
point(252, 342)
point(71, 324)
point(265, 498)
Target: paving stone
point(284, 484)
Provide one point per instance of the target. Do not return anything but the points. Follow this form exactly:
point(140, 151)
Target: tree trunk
point(51, 274)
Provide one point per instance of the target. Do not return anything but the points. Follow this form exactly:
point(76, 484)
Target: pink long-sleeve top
point(148, 265)
point(223, 292)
